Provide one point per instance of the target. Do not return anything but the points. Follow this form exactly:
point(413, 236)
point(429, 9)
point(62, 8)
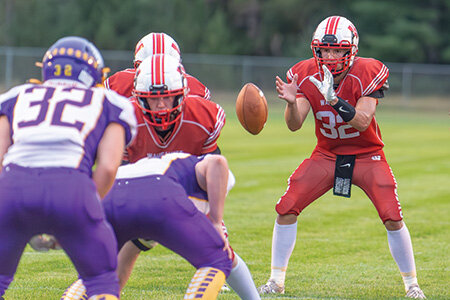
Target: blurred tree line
point(390, 30)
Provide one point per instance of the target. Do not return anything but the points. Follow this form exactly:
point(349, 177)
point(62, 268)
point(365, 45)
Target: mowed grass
point(341, 250)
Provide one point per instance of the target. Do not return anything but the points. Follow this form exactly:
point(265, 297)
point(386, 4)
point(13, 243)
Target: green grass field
point(341, 250)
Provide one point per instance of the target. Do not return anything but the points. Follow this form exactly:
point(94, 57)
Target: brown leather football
point(251, 108)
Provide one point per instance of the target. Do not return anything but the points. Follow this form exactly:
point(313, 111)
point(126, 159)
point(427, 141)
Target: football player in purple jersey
point(51, 134)
point(150, 200)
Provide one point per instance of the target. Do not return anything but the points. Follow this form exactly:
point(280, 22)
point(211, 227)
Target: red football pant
point(315, 176)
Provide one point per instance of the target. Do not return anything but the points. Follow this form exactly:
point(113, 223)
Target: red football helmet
point(335, 33)
point(160, 76)
point(156, 43)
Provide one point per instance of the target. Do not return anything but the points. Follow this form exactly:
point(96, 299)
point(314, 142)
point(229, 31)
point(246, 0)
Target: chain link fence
point(226, 73)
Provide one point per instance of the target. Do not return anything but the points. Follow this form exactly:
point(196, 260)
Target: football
point(251, 108)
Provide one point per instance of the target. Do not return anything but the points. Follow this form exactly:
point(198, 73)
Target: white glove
point(325, 87)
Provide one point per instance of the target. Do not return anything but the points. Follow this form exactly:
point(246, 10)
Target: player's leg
point(16, 216)
point(309, 181)
point(10, 251)
point(375, 177)
point(240, 278)
point(158, 208)
point(80, 227)
point(241, 281)
point(128, 254)
point(189, 233)
point(126, 259)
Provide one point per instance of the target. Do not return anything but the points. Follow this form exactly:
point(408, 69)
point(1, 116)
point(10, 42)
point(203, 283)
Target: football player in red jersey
point(342, 90)
point(170, 120)
point(153, 43)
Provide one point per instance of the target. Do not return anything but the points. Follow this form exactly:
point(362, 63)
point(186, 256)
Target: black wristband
point(344, 109)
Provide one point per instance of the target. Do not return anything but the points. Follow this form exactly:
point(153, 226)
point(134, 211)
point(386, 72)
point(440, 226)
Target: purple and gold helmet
point(74, 58)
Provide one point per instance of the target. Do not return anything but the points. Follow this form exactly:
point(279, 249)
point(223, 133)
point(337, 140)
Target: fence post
point(246, 70)
point(8, 69)
point(406, 82)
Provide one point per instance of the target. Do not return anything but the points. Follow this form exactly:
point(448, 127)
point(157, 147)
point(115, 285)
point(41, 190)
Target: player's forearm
point(361, 121)
point(109, 157)
point(5, 139)
point(365, 111)
point(216, 181)
point(292, 117)
point(104, 178)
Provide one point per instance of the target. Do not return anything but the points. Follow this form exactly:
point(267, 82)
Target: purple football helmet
point(74, 58)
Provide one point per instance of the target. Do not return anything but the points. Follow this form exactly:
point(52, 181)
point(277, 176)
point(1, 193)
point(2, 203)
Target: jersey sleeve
point(375, 77)
point(121, 111)
point(303, 69)
point(121, 82)
point(211, 143)
point(196, 88)
point(8, 100)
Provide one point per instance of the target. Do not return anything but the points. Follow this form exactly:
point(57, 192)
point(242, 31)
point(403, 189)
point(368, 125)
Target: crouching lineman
point(169, 121)
point(51, 134)
point(149, 201)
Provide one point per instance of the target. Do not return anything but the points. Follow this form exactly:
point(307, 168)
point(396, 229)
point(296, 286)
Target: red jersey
point(196, 133)
point(334, 136)
point(122, 82)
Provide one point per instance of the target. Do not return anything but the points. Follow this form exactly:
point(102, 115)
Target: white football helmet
point(335, 33)
point(156, 43)
point(160, 76)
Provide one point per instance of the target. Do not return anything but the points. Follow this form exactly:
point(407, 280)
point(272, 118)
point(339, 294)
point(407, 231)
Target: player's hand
point(219, 228)
point(325, 87)
point(287, 91)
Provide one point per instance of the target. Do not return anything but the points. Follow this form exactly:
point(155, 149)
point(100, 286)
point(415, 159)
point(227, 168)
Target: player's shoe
point(415, 292)
point(271, 287)
point(224, 288)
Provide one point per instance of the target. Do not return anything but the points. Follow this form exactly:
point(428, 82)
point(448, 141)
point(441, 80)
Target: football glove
point(325, 87)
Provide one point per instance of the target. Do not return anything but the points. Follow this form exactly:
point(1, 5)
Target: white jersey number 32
point(331, 128)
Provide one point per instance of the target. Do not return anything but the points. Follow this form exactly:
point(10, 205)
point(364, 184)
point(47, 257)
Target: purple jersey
point(45, 184)
point(178, 166)
point(59, 124)
point(156, 207)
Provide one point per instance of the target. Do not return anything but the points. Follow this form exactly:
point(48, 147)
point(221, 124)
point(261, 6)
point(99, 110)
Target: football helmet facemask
point(74, 58)
point(160, 76)
point(335, 33)
point(156, 43)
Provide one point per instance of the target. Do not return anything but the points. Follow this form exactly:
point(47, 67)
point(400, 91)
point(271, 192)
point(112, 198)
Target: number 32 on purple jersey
point(49, 106)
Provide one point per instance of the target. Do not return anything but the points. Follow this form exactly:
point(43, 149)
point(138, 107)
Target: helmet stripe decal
point(158, 44)
point(138, 47)
point(161, 68)
point(152, 82)
point(158, 70)
point(332, 25)
point(174, 46)
point(161, 43)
